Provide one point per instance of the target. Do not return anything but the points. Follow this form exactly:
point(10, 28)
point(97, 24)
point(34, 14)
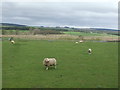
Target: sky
point(52, 13)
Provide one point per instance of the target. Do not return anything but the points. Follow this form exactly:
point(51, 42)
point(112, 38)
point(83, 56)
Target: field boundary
point(62, 37)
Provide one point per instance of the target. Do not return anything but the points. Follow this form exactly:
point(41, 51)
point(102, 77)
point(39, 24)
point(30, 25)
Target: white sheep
point(89, 50)
point(49, 62)
point(12, 41)
point(81, 41)
point(76, 42)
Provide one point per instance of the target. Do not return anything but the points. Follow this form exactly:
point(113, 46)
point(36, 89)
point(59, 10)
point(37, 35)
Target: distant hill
point(104, 29)
point(10, 24)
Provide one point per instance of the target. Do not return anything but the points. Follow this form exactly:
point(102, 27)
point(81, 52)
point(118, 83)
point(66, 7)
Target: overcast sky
point(74, 13)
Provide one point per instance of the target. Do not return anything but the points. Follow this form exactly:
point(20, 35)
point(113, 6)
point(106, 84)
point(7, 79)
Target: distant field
point(69, 32)
point(15, 30)
point(22, 64)
point(88, 34)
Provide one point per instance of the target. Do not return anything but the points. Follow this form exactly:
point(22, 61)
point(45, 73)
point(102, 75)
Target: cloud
point(84, 14)
point(61, 1)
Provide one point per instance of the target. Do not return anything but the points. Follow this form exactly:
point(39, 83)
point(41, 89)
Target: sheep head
point(47, 61)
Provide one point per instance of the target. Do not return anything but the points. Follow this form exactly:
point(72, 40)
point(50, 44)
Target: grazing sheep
point(81, 41)
point(12, 41)
point(76, 42)
point(89, 51)
point(49, 62)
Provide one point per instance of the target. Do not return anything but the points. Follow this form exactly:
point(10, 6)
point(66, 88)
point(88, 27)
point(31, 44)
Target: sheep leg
point(55, 67)
point(89, 52)
point(46, 68)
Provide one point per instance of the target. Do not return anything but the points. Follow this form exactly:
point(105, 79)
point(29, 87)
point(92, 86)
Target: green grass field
point(23, 68)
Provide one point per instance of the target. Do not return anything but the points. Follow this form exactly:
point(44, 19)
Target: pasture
point(23, 67)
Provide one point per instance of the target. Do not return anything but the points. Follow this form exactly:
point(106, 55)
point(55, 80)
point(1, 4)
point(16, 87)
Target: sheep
point(12, 41)
point(76, 42)
point(89, 50)
point(49, 62)
point(81, 41)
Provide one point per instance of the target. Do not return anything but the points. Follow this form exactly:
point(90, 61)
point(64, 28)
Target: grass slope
point(22, 65)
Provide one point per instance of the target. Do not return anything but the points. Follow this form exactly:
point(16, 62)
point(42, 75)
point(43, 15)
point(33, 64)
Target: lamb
point(89, 51)
point(12, 41)
point(49, 62)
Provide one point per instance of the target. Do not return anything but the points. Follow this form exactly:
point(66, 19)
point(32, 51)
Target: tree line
point(15, 28)
point(30, 31)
